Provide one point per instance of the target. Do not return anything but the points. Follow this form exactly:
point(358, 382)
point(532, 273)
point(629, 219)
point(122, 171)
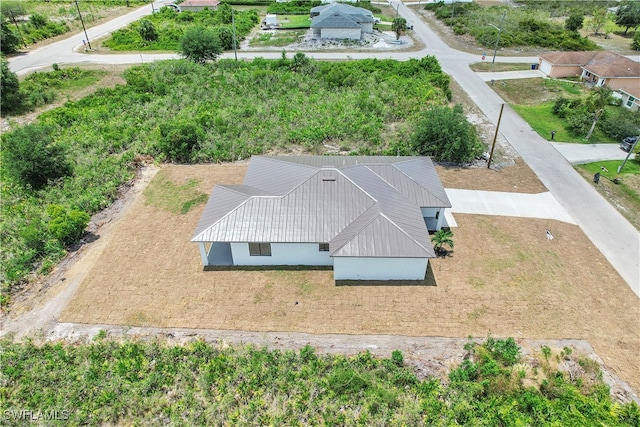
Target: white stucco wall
point(429, 214)
point(282, 254)
point(349, 268)
point(341, 33)
point(367, 27)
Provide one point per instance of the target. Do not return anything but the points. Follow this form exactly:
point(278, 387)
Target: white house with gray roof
point(367, 216)
point(340, 21)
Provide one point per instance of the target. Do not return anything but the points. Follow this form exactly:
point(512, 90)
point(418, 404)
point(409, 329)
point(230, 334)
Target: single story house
point(366, 216)
point(340, 21)
point(198, 5)
point(600, 68)
point(629, 96)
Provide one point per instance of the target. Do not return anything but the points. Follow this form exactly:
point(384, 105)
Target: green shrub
point(67, 225)
point(31, 156)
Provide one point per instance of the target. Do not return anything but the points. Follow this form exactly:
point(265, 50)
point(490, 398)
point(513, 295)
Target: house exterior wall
point(433, 217)
point(557, 71)
point(282, 254)
point(340, 33)
point(367, 27)
point(352, 268)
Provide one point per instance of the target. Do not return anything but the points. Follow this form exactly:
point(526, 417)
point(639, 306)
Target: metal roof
point(362, 205)
point(334, 20)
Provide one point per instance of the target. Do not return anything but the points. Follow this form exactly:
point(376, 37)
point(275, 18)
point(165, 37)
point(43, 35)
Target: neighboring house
point(198, 5)
point(598, 68)
point(340, 21)
point(630, 97)
point(369, 217)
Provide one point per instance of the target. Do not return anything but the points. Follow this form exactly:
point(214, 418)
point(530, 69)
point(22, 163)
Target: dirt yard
point(504, 278)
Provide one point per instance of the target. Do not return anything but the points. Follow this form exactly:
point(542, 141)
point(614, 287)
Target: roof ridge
point(417, 183)
point(366, 224)
point(402, 230)
point(193, 239)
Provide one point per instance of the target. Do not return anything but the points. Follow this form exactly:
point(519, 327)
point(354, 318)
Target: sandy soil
point(504, 278)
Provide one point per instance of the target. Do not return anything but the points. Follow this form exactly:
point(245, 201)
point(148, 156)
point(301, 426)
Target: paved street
point(609, 231)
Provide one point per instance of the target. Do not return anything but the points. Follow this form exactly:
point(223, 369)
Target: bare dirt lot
point(504, 278)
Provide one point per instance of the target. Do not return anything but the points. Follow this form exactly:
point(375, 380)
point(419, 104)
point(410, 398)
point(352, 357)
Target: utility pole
point(233, 25)
point(495, 50)
point(13, 18)
point(495, 136)
point(83, 27)
point(629, 154)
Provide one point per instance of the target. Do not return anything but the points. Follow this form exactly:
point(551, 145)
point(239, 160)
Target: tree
point(598, 99)
point(199, 44)
point(440, 239)
point(30, 156)
point(399, 25)
point(10, 98)
point(445, 134)
point(9, 42)
point(635, 43)
point(628, 15)
point(575, 21)
point(598, 20)
point(147, 31)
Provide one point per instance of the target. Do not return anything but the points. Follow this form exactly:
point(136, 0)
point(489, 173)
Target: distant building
point(198, 5)
point(340, 21)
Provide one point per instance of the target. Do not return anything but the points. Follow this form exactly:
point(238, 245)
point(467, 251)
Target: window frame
point(259, 249)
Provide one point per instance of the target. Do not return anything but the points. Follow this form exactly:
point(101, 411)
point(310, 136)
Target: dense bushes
point(445, 134)
point(522, 27)
point(164, 30)
point(147, 382)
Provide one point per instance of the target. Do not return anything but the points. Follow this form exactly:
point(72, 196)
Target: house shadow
point(268, 268)
point(429, 280)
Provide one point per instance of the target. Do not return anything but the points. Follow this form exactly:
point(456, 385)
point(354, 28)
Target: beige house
point(598, 68)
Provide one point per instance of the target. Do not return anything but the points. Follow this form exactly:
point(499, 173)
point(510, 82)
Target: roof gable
point(601, 63)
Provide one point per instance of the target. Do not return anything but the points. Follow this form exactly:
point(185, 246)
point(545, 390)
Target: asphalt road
point(609, 231)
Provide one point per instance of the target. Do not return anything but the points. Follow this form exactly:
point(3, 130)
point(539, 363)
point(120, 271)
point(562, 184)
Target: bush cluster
point(522, 27)
point(147, 382)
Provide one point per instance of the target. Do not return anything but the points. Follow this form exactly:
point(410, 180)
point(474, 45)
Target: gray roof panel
point(362, 206)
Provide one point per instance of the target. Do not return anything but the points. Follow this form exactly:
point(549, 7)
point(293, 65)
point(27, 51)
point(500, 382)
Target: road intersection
point(609, 231)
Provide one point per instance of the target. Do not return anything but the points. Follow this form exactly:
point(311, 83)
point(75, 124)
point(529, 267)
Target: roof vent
point(328, 173)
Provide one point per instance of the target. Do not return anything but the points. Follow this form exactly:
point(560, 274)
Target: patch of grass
point(177, 199)
point(278, 38)
point(499, 66)
point(294, 21)
point(625, 196)
point(542, 120)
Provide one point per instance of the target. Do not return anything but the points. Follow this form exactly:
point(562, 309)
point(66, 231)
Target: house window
point(259, 249)
point(324, 247)
point(630, 101)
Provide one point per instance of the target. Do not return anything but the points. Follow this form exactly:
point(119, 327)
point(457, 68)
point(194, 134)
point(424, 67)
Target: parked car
point(628, 143)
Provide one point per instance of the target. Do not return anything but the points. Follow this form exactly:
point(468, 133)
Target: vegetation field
point(108, 382)
point(277, 38)
point(36, 20)
point(164, 30)
point(177, 111)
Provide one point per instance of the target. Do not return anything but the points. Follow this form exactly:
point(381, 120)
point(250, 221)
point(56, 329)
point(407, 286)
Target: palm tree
point(597, 101)
point(442, 238)
point(399, 25)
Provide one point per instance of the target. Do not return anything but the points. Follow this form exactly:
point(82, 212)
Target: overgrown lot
point(522, 26)
point(179, 111)
point(106, 382)
point(165, 29)
point(31, 21)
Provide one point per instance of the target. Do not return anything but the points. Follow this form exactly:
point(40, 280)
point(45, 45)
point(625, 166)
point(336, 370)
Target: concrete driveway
point(578, 154)
point(541, 205)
